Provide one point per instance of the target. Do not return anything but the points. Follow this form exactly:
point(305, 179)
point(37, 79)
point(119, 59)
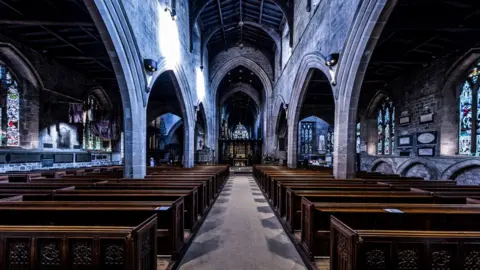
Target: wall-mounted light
point(332, 59)
point(150, 65)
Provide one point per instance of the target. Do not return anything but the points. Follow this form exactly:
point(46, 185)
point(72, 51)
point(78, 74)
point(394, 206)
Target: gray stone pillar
point(189, 145)
point(344, 153)
point(292, 147)
point(135, 136)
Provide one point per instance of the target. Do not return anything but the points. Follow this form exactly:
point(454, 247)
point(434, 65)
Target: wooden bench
point(315, 227)
point(79, 247)
point(388, 247)
point(170, 217)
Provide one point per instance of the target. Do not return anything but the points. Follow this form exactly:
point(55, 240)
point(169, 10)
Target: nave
point(241, 232)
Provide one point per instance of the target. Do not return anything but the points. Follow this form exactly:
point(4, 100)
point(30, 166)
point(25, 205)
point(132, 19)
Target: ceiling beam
point(44, 23)
point(57, 36)
point(221, 21)
point(286, 10)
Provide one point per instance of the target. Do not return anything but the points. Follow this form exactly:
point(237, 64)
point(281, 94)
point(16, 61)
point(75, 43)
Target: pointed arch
point(309, 62)
point(182, 89)
point(110, 19)
point(20, 64)
point(267, 85)
point(371, 17)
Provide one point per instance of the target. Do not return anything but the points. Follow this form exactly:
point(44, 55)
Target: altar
point(238, 148)
point(240, 162)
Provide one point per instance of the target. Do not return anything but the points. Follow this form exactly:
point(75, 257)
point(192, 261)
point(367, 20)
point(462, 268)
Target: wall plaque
point(405, 120)
point(405, 140)
point(427, 137)
point(426, 152)
point(426, 118)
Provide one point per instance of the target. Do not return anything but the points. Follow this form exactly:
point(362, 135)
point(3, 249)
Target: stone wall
point(465, 170)
point(43, 102)
point(423, 91)
point(234, 52)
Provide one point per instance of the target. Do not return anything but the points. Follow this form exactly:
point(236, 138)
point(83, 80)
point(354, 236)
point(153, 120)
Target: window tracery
point(386, 128)
point(10, 108)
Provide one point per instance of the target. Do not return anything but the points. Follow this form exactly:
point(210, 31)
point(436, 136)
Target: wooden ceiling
point(240, 22)
point(420, 31)
point(62, 30)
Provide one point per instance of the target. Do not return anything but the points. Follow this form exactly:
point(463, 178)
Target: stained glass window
point(240, 132)
point(469, 113)
point(386, 128)
point(306, 137)
point(10, 108)
point(358, 137)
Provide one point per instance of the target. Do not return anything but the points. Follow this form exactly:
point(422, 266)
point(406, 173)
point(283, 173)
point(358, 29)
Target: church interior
point(239, 134)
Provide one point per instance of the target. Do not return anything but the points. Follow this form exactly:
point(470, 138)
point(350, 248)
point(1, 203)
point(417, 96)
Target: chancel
point(239, 134)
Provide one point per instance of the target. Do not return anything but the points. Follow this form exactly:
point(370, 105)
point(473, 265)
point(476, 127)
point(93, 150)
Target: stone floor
point(241, 232)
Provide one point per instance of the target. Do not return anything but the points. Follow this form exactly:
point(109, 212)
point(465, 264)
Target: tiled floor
point(241, 232)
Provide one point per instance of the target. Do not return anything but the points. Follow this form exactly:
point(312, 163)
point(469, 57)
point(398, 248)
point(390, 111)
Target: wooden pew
point(189, 195)
point(79, 247)
point(315, 233)
point(388, 247)
point(170, 231)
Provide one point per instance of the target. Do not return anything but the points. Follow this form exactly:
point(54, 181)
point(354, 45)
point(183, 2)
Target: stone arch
point(363, 35)
point(182, 90)
point(457, 168)
point(110, 19)
point(172, 131)
point(379, 161)
point(450, 100)
point(267, 85)
point(375, 103)
point(309, 62)
point(244, 88)
point(19, 64)
point(407, 165)
point(101, 95)
point(30, 87)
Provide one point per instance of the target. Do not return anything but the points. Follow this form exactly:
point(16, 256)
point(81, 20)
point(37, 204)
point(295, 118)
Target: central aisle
point(241, 232)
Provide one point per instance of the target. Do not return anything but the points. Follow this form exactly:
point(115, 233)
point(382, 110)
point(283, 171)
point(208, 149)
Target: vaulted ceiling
point(61, 30)
point(227, 23)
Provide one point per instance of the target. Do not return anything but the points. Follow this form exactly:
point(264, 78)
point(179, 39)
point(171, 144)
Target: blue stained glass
point(358, 138)
point(11, 128)
point(465, 132)
point(240, 132)
point(380, 133)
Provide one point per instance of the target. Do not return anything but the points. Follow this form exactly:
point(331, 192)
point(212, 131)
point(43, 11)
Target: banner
point(75, 113)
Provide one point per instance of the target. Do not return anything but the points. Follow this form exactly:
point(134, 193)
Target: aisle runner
point(241, 232)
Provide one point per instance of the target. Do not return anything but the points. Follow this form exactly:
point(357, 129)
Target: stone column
point(344, 153)
point(135, 148)
point(292, 146)
point(189, 145)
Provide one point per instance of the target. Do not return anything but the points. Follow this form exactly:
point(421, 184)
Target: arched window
point(386, 128)
point(240, 132)
point(91, 138)
point(358, 137)
point(9, 108)
point(469, 129)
